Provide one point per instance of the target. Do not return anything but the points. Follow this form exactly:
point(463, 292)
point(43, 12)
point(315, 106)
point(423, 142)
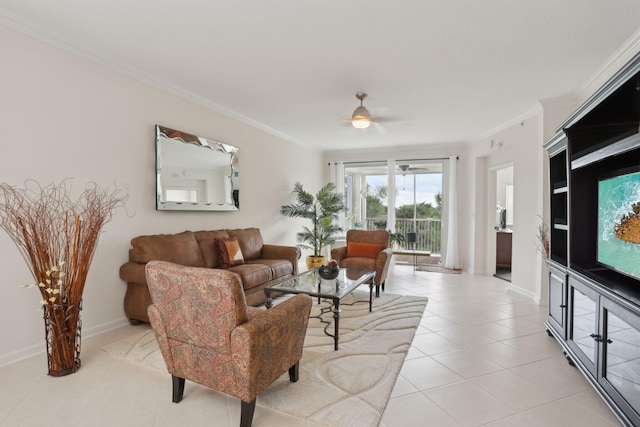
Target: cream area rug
point(348, 387)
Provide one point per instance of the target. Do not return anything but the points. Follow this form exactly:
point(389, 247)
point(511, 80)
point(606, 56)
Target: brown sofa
point(263, 264)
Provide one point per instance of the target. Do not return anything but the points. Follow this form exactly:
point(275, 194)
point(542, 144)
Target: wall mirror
point(195, 173)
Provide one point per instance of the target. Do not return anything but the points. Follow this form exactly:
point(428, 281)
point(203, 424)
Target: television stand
point(594, 306)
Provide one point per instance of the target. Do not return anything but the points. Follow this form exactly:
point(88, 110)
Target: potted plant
point(321, 209)
point(398, 239)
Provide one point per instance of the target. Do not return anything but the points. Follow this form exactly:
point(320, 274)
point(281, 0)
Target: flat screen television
point(618, 241)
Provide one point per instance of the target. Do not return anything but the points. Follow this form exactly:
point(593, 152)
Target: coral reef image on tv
point(619, 223)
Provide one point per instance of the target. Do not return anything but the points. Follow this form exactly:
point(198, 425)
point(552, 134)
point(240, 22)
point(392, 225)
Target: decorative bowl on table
point(327, 272)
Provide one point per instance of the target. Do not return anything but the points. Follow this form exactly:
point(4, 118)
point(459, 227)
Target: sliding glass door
point(418, 203)
point(412, 187)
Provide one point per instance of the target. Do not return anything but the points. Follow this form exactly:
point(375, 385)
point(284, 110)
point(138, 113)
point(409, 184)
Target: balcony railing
point(429, 232)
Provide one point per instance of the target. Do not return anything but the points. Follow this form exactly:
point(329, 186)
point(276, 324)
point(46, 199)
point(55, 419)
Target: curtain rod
point(399, 160)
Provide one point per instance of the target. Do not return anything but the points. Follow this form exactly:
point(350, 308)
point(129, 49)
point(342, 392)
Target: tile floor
point(480, 357)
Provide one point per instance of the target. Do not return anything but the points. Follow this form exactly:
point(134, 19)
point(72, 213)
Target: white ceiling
point(439, 71)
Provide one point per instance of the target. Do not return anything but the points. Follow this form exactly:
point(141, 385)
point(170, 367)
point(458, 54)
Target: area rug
point(347, 387)
point(438, 269)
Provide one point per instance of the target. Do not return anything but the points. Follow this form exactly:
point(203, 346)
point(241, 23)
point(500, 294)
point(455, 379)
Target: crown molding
point(36, 32)
point(618, 60)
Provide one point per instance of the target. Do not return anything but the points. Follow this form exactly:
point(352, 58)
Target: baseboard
point(36, 349)
point(524, 292)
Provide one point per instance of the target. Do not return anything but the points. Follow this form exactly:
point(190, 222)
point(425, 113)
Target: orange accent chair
point(366, 250)
point(208, 334)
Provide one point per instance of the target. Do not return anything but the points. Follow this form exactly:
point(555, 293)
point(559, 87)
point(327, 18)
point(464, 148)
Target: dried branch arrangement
point(543, 238)
point(57, 237)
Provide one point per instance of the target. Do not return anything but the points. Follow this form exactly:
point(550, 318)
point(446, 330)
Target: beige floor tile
point(437, 323)
point(433, 344)
point(468, 404)
point(402, 387)
point(540, 344)
point(513, 390)
point(425, 373)
point(555, 375)
point(415, 410)
point(560, 413)
point(496, 331)
point(465, 336)
point(466, 363)
point(504, 355)
point(414, 353)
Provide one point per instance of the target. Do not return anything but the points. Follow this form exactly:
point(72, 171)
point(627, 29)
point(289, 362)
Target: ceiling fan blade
point(378, 127)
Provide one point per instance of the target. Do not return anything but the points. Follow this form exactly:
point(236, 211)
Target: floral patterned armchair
point(366, 250)
point(208, 334)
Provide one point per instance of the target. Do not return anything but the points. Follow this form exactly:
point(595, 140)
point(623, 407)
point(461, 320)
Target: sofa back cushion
point(250, 241)
point(207, 243)
point(181, 248)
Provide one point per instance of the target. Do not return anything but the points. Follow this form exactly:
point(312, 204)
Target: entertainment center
point(594, 265)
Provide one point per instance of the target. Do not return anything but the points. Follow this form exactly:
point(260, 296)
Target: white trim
point(525, 292)
point(36, 349)
point(618, 60)
point(11, 21)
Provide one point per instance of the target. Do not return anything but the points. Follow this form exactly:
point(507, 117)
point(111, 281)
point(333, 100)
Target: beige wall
point(65, 117)
point(518, 146)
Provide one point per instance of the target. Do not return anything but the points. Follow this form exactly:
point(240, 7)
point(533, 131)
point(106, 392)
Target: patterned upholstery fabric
point(379, 264)
point(207, 335)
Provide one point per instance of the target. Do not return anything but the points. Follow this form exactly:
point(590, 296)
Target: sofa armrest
point(339, 253)
point(290, 253)
point(133, 272)
point(267, 345)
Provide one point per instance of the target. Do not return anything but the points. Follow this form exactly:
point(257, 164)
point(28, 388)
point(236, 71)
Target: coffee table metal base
point(334, 307)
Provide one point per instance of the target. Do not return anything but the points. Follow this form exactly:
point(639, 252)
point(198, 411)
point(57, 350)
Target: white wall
point(62, 116)
point(519, 145)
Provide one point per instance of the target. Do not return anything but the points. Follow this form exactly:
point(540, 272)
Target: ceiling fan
point(408, 168)
point(361, 117)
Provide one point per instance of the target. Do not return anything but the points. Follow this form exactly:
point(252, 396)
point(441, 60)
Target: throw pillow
point(365, 250)
point(230, 253)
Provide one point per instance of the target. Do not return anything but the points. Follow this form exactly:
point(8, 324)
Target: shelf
point(563, 227)
point(561, 190)
point(627, 144)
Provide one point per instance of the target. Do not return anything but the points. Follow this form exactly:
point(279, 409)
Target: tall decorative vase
point(62, 332)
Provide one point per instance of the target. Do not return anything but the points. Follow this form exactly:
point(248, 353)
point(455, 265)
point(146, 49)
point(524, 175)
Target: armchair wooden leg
point(178, 388)
point(294, 372)
point(246, 412)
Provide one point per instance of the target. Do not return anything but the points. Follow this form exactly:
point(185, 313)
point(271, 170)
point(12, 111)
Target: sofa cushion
point(181, 248)
point(229, 251)
point(359, 263)
point(206, 242)
point(250, 241)
point(279, 267)
point(365, 250)
point(252, 275)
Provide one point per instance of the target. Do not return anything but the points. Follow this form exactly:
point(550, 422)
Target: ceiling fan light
point(361, 123)
point(361, 119)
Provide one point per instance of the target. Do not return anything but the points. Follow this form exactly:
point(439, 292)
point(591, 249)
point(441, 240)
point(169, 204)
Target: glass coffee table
point(310, 283)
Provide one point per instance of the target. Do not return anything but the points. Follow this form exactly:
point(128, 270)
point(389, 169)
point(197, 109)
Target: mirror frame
point(231, 202)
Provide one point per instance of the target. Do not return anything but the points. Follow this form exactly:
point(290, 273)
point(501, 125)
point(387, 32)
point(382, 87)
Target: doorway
point(504, 222)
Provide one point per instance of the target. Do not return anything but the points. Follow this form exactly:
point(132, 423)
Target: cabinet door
point(583, 326)
point(621, 357)
point(558, 300)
